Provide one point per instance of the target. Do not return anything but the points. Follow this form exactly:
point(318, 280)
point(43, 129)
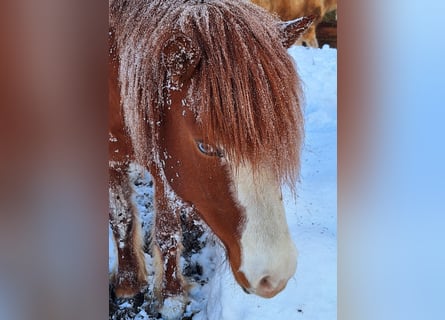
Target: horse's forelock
point(245, 88)
point(249, 91)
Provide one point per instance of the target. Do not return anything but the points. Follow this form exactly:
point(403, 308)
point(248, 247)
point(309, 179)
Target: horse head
point(229, 164)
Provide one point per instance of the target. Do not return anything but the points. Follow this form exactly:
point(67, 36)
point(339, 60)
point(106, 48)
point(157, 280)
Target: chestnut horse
point(291, 9)
point(204, 95)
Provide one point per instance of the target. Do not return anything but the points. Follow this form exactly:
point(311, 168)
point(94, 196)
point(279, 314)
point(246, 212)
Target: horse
point(291, 9)
point(204, 96)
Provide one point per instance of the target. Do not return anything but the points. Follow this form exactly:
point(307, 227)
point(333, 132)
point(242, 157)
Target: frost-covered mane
point(245, 92)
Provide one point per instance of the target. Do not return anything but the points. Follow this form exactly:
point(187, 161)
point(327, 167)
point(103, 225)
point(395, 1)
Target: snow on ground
point(312, 218)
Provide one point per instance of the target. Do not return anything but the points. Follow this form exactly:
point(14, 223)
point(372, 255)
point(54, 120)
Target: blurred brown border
point(53, 160)
point(356, 94)
point(357, 111)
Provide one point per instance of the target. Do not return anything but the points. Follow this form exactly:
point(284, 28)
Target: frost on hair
point(244, 92)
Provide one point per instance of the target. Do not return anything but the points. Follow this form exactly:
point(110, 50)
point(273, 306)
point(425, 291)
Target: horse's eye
point(208, 149)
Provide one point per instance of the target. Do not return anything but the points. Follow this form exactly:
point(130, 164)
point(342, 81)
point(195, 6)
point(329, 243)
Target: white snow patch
point(173, 308)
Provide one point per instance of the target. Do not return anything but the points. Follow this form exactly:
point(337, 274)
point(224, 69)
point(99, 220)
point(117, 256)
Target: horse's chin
point(265, 294)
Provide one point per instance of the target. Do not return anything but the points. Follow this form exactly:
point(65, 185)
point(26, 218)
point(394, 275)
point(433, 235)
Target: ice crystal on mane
point(244, 89)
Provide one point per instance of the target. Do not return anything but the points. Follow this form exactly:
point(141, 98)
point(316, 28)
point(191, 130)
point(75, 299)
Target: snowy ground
point(312, 219)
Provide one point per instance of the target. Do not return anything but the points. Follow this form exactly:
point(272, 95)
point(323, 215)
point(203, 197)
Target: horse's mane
point(245, 84)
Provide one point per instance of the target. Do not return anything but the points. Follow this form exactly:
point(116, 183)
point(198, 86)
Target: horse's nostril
point(265, 283)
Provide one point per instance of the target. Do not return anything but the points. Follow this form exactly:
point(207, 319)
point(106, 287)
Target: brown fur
point(188, 71)
point(292, 9)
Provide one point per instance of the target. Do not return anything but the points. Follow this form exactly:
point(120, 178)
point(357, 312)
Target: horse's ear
point(292, 30)
point(181, 56)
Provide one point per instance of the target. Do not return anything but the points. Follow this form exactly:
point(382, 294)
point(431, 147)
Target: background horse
point(292, 9)
point(204, 95)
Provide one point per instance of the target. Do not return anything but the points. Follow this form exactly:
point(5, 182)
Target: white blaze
point(267, 249)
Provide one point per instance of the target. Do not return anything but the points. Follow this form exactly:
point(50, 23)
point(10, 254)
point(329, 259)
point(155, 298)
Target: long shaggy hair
point(244, 90)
